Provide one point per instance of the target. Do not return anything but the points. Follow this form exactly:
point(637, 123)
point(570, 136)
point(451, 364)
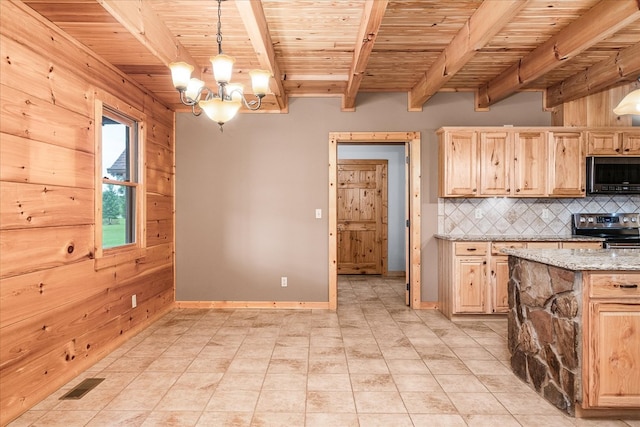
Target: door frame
point(410, 139)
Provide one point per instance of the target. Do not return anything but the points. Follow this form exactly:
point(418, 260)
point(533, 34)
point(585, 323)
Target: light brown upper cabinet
point(566, 164)
point(613, 143)
point(530, 164)
point(458, 163)
point(513, 164)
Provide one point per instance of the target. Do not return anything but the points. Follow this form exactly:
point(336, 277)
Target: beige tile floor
point(373, 363)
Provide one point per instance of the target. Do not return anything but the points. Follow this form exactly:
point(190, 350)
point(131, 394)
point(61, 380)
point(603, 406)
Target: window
point(119, 192)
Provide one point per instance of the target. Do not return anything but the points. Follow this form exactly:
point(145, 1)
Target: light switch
point(318, 213)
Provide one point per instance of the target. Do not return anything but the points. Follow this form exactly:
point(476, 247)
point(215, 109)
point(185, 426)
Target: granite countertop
point(582, 259)
point(518, 238)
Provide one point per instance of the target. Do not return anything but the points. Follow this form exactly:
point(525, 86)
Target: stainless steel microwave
point(613, 175)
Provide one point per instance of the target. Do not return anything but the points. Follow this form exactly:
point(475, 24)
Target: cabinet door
point(470, 277)
point(530, 164)
point(499, 283)
point(459, 163)
point(603, 143)
point(495, 163)
point(566, 164)
point(613, 371)
point(631, 143)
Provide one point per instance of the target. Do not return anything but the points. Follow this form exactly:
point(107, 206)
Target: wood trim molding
point(601, 21)
point(620, 68)
point(487, 21)
point(255, 22)
point(141, 21)
point(299, 305)
point(369, 26)
point(414, 191)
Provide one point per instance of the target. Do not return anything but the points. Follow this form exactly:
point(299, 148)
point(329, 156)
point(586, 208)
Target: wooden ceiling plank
point(374, 11)
point(482, 26)
point(600, 22)
point(255, 22)
point(624, 67)
point(142, 22)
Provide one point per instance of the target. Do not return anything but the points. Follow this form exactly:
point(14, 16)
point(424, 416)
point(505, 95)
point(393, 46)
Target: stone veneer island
point(574, 327)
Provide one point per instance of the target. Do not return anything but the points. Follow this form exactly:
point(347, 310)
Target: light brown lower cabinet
point(611, 365)
point(473, 276)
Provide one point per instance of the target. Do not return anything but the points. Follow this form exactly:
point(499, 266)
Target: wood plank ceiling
point(568, 48)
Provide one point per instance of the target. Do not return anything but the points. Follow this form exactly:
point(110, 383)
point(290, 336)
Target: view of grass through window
point(118, 180)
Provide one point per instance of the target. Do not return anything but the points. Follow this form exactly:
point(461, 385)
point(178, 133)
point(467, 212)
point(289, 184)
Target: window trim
point(107, 257)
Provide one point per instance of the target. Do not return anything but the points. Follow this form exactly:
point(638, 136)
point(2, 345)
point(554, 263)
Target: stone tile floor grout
point(374, 362)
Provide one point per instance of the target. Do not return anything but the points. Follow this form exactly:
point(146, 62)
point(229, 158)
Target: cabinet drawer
point(624, 285)
point(581, 245)
point(497, 246)
point(543, 245)
point(471, 248)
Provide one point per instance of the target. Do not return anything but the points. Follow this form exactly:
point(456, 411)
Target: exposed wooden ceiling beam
point(142, 22)
point(369, 26)
point(620, 68)
point(490, 17)
point(255, 22)
point(601, 21)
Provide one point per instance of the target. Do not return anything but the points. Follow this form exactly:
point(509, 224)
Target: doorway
point(411, 141)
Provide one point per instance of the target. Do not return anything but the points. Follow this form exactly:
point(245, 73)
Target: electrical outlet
point(478, 213)
point(318, 213)
point(134, 301)
point(545, 213)
point(283, 281)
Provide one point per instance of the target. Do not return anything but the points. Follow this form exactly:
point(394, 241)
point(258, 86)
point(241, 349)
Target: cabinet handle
point(472, 249)
point(517, 190)
point(629, 286)
point(485, 263)
point(474, 190)
point(617, 150)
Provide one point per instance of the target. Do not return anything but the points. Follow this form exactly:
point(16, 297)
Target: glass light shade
point(630, 104)
point(180, 74)
point(220, 111)
point(222, 67)
point(193, 89)
point(260, 81)
point(235, 91)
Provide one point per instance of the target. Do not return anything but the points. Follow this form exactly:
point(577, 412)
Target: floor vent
point(81, 389)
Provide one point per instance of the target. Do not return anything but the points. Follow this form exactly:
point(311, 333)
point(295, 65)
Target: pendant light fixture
point(630, 104)
point(222, 103)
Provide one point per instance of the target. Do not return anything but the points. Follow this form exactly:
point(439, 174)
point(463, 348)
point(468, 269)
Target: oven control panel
point(606, 220)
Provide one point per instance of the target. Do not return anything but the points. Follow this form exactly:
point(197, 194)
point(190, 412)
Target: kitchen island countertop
point(582, 259)
point(517, 238)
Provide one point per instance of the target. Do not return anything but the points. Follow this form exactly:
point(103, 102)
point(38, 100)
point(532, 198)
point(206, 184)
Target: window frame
point(105, 257)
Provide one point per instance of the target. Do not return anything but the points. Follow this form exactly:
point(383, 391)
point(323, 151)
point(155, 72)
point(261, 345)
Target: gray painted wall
point(246, 198)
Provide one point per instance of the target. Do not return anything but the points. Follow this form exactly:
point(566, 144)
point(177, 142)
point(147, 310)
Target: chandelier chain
point(219, 35)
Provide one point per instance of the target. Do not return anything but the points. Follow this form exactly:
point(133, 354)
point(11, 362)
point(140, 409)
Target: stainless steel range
point(620, 230)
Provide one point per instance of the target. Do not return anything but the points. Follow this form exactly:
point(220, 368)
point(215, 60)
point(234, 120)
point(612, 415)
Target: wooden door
point(613, 371)
point(567, 164)
point(500, 283)
point(495, 163)
point(470, 273)
point(458, 164)
point(603, 143)
point(530, 164)
point(631, 143)
point(362, 216)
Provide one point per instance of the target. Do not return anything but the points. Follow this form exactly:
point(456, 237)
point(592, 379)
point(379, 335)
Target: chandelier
point(222, 103)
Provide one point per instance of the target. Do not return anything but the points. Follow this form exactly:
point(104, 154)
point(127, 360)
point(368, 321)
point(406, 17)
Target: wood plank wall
point(58, 315)
point(594, 110)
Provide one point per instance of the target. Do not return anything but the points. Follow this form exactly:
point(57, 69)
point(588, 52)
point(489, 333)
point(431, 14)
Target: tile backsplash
point(530, 217)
